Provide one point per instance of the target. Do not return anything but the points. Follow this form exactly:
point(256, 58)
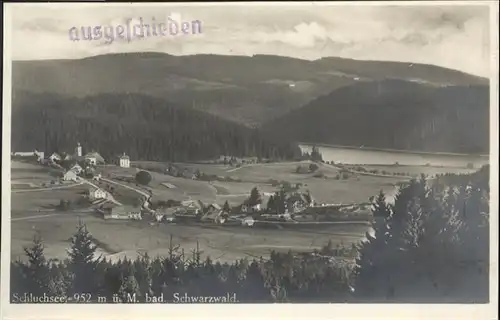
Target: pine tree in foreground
point(37, 271)
point(82, 262)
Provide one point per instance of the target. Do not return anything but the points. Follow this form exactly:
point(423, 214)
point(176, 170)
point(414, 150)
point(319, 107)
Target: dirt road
point(47, 189)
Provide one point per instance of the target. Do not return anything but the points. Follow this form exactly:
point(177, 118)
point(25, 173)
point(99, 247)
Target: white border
point(253, 311)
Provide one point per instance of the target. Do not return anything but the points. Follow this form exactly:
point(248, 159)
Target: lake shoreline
point(309, 144)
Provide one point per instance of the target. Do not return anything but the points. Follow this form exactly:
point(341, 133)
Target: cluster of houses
point(92, 158)
point(195, 210)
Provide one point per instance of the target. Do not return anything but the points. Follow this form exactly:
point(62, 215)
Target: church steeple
point(78, 150)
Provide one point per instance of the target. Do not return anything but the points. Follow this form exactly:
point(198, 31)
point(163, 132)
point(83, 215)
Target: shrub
point(313, 167)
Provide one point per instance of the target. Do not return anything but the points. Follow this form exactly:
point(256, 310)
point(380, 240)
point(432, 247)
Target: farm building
point(94, 158)
point(40, 155)
point(298, 202)
point(124, 161)
point(76, 168)
point(35, 154)
point(247, 208)
point(55, 157)
point(247, 222)
point(70, 176)
point(165, 214)
point(193, 206)
point(121, 213)
point(214, 213)
point(24, 154)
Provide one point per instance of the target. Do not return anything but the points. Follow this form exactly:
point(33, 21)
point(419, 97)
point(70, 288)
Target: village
point(287, 206)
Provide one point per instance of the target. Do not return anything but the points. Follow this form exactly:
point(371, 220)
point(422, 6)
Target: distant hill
point(394, 114)
point(250, 90)
point(144, 127)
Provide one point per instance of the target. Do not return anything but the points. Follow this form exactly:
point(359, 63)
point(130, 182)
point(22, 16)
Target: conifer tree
point(271, 204)
point(82, 261)
point(130, 287)
point(226, 207)
point(255, 197)
point(37, 270)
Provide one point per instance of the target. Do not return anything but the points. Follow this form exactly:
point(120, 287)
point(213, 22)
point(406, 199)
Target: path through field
point(128, 187)
point(37, 217)
point(47, 189)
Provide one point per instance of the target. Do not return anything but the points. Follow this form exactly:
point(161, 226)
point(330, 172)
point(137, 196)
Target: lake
point(387, 157)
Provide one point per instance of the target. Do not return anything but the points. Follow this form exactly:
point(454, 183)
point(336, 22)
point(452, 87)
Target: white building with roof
point(77, 168)
point(124, 161)
point(70, 175)
point(97, 194)
point(55, 157)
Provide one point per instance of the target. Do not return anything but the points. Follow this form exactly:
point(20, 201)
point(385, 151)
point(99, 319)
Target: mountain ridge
point(247, 89)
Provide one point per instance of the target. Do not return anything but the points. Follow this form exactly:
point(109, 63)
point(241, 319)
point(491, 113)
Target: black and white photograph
point(250, 153)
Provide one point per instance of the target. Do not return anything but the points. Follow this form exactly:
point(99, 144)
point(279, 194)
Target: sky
point(455, 37)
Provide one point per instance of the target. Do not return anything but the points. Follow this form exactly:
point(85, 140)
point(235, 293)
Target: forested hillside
point(250, 90)
point(144, 127)
point(394, 114)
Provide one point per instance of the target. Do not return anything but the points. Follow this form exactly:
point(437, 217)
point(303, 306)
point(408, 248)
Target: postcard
point(289, 160)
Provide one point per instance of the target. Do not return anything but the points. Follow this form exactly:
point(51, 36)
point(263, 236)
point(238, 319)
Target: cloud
point(450, 36)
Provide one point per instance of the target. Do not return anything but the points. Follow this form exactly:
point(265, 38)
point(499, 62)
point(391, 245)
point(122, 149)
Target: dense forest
point(431, 245)
point(394, 114)
point(144, 127)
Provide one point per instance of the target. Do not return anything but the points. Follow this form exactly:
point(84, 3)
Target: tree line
point(144, 127)
point(430, 245)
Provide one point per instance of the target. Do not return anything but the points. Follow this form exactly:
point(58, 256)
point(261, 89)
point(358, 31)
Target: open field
point(119, 238)
point(263, 172)
point(40, 200)
point(262, 176)
point(226, 243)
point(32, 175)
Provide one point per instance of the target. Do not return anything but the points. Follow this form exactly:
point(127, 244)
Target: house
point(91, 159)
point(247, 222)
point(55, 157)
point(165, 214)
point(124, 161)
point(121, 213)
point(214, 213)
point(70, 176)
point(193, 207)
point(298, 202)
point(245, 207)
point(94, 158)
point(97, 194)
point(24, 154)
point(216, 217)
point(214, 207)
point(36, 154)
point(76, 168)
point(40, 155)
